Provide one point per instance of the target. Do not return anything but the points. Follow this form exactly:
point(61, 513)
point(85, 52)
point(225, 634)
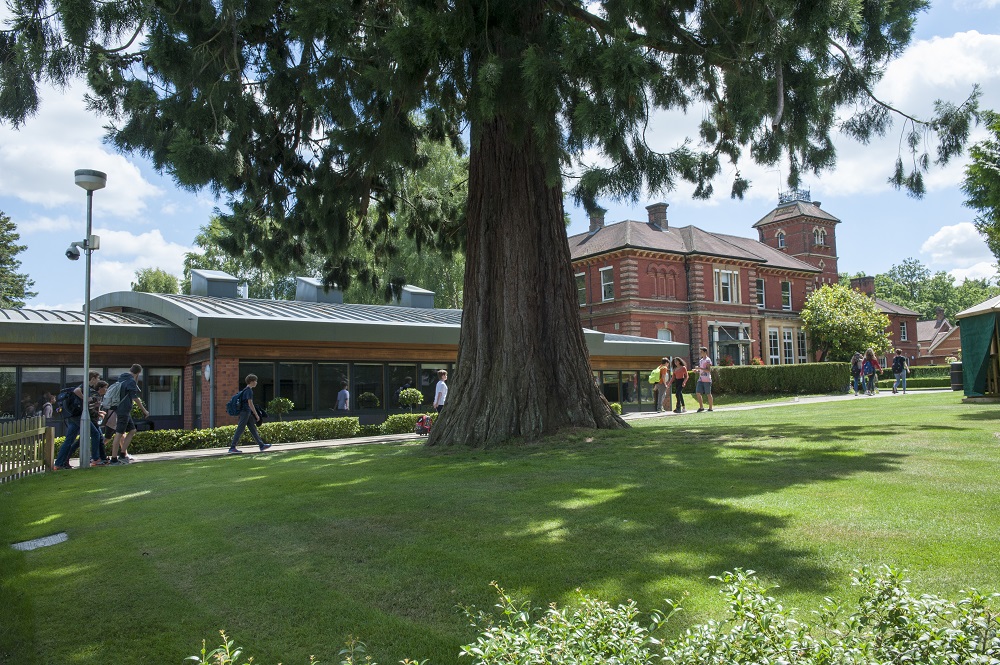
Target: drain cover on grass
point(29, 545)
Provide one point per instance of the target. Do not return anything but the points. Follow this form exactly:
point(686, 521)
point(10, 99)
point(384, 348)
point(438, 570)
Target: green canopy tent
point(980, 348)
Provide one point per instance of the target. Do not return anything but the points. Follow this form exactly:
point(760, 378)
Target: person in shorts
point(703, 389)
point(124, 425)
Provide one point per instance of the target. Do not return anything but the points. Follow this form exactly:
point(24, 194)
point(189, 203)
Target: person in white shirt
point(441, 391)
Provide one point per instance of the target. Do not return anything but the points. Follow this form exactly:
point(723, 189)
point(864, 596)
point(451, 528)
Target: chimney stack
point(658, 215)
point(864, 284)
point(939, 314)
point(597, 219)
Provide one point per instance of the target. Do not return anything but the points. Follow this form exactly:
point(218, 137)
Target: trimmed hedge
point(806, 378)
point(922, 372)
point(930, 382)
point(158, 441)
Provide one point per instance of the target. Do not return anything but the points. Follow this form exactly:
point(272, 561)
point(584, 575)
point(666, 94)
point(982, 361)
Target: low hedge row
point(930, 382)
point(295, 431)
point(922, 372)
point(806, 378)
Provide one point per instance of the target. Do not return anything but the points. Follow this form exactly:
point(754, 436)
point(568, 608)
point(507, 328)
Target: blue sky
point(145, 221)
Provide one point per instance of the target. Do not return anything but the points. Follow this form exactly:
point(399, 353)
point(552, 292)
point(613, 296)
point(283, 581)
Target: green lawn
point(292, 552)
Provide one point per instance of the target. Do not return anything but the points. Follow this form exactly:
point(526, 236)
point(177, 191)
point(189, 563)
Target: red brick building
point(903, 328)
point(737, 296)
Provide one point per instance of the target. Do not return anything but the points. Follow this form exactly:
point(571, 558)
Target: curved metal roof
point(49, 326)
point(238, 318)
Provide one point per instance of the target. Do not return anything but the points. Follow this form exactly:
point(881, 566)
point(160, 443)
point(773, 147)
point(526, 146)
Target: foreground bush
point(889, 626)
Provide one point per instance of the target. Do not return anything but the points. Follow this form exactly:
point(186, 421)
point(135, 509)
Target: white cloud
point(123, 253)
point(984, 270)
point(959, 246)
point(44, 224)
point(975, 4)
point(39, 159)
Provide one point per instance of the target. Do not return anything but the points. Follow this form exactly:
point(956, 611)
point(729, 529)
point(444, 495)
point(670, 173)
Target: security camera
point(73, 253)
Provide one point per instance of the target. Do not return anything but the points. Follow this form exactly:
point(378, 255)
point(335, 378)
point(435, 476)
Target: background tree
point(155, 280)
point(309, 115)
point(982, 183)
point(15, 287)
point(839, 321)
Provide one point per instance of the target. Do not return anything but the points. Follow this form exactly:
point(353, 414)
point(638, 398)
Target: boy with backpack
point(70, 407)
point(119, 399)
point(899, 369)
point(247, 410)
point(856, 372)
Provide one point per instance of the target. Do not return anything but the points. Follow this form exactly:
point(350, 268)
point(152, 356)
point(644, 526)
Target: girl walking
point(680, 379)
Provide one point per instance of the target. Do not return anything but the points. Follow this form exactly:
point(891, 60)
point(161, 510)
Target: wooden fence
point(26, 446)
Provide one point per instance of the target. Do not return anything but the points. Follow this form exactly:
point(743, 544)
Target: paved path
point(406, 438)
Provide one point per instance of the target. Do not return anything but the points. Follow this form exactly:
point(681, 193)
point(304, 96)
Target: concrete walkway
point(407, 438)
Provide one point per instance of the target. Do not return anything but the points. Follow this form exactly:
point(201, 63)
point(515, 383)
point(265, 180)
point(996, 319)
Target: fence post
point(49, 448)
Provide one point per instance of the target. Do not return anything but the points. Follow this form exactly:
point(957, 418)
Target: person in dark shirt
point(124, 425)
point(248, 417)
point(900, 368)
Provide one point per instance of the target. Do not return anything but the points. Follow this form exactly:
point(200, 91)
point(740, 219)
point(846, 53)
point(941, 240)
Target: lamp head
point(90, 179)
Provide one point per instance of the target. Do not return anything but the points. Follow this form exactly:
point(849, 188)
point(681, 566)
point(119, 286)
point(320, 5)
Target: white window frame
point(787, 346)
point(803, 346)
point(760, 293)
point(733, 279)
point(605, 283)
point(786, 295)
point(665, 334)
point(773, 347)
point(780, 235)
point(819, 236)
point(581, 293)
point(903, 337)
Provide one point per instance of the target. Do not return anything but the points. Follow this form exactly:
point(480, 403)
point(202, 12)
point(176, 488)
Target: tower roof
point(796, 208)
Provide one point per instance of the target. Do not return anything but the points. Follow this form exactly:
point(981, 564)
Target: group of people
point(674, 377)
point(865, 369)
point(111, 421)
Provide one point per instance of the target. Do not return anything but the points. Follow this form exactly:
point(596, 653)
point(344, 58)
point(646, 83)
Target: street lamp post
point(90, 181)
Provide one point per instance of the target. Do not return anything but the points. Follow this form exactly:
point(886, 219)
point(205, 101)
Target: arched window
point(671, 285)
point(819, 236)
point(780, 235)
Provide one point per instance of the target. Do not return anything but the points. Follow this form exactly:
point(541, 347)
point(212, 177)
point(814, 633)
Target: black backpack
point(898, 364)
point(68, 403)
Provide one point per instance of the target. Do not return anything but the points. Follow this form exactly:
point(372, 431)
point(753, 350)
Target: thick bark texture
point(523, 369)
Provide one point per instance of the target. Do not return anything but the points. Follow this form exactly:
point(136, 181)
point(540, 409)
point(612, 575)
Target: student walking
point(344, 398)
point(871, 369)
point(662, 388)
point(248, 417)
point(679, 380)
point(704, 385)
point(856, 364)
point(441, 390)
point(900, 368)
point(71, 442)
point(128, 393)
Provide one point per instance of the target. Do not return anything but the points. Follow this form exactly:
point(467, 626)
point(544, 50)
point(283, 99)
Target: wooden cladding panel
point(72, 355)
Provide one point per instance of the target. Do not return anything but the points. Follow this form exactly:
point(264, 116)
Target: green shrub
point(410, 397)
point(369, 401)
point(617, 408)
point(372, 429)
point(931, 382)
point(889, 625)
point(402, 423)
point(165, 440)
point(279, 406)
point(805, 378)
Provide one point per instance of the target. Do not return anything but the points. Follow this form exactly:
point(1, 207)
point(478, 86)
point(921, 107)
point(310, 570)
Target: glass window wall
point(8, 391)
point(264, 392)
point(163, 385)
point(400, 378)
point(296, 384)
point(369, 386)
point(330, 377)
point(35, 382)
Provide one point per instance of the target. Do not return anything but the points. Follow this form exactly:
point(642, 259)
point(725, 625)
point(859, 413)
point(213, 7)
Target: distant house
point(903, 325)
point(740, 297)
point(937, 340)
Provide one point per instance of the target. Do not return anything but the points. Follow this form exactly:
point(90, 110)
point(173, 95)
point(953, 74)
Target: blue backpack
point(869, 368)
point(235, 404)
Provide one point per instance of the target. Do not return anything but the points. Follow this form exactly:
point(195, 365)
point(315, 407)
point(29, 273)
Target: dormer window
point(780, 235)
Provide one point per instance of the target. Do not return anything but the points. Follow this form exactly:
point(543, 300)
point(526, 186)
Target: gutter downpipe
point(211, 382)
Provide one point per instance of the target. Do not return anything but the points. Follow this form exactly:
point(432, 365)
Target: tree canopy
point(15, 287)
point(155, 280)
point(911, 284)
point(982, 183)
point(839, 321)
point(310, 115)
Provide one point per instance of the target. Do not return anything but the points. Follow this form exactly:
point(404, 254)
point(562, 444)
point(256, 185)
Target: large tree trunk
point(523, 368)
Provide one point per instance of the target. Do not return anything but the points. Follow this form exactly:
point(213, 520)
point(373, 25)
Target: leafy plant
point(279, 406)
point(369, 401)
point(410, 397)
point(757, 362)
point(617, 408)
point(229, 654)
